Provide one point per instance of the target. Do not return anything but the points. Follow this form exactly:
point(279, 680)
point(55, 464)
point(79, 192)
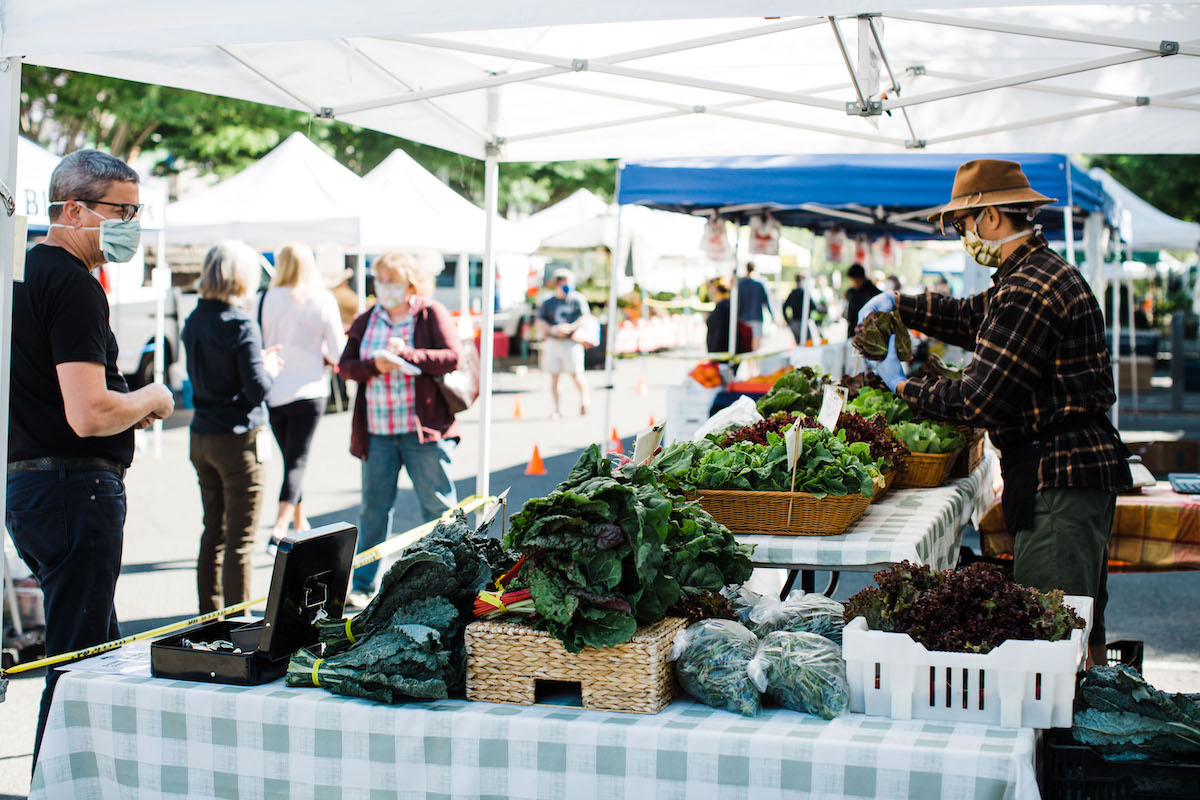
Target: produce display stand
point(923, 526)
point(135, 736)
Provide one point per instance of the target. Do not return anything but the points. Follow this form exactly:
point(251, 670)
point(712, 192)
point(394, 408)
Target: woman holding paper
point(395, 351)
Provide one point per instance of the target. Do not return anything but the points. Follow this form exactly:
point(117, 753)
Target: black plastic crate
point(1074, 771)
point(1126, 652)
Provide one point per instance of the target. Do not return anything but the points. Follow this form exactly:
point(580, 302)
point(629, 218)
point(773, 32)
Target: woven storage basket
point(888, 480)
point(767, 512)
point(926, 470)
point(972, 455)
point(505, 660)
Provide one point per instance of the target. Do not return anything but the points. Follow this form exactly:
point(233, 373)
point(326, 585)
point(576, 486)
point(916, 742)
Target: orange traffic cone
point(614, 443)
point(535, 466)
point(641, 387)
point(518, 412)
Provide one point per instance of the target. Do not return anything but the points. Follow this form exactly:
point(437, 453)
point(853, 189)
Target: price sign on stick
point(647, 442)
point(795, 446)
point(831, 407)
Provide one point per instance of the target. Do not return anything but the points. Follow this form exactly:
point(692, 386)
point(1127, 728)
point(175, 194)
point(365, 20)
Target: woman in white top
point(301, 317)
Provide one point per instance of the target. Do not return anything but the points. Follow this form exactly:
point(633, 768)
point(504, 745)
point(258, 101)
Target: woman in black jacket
point(230, 375)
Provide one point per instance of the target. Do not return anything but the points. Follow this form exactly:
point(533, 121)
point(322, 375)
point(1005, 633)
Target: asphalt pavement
point(162, 532)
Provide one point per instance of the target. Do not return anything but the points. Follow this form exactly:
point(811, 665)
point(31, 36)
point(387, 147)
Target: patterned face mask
point(391, 295)
point(987, 251)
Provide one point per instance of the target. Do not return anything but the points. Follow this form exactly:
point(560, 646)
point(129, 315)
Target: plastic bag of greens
point(739, 414)
point(803, 672)
point(710, 663)
point(800, 612)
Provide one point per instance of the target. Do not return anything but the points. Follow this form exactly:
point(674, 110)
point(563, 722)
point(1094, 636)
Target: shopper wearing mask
point(71, 416)
point(1040, 383)
point(231, 375)
point(400, 417)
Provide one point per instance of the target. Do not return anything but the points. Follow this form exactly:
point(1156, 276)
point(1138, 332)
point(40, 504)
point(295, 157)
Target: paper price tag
point(795, 444)
point(647, 442)
point(832, 404)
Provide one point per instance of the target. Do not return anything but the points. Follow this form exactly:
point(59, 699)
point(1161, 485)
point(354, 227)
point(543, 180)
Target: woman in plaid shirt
point(1040, 382)
point(400, 419)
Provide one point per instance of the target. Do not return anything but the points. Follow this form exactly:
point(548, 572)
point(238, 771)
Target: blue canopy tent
point(873, 194)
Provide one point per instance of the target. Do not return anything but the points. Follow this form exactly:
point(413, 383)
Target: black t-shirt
point(855, 300)
point(60, 315)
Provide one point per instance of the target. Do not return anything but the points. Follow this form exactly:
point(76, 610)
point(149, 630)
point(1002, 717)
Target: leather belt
point(54, 464)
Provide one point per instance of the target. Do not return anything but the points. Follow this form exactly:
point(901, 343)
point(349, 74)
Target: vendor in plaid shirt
point(1040, 382)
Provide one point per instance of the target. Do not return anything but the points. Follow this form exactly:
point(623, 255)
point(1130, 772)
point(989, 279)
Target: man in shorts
point(560, 320)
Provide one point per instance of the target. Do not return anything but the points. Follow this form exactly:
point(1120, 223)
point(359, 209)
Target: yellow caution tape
point(365, 557)
point(349, 633)
point(316, 666)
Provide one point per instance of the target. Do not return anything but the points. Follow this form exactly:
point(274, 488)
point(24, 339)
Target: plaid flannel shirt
point(1041, 368)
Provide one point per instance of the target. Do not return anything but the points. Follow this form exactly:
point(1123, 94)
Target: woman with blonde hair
point(301, 318)
point(395, 351)
point(231, 375)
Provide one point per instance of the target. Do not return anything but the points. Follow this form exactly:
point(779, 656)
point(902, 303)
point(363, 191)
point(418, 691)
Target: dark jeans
point(68, 527)
point(294, 425)
point(231, 491)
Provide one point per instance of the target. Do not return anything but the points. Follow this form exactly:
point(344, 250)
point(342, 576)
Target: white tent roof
point(581, 205)
point(1152, 229)
point(555, 79)
point(297, 192)
point(34, 165)
point(418, 210)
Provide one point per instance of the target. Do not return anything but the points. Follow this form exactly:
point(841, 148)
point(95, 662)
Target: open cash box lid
point(309, 582)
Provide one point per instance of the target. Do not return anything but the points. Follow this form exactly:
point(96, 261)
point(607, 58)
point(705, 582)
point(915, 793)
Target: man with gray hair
point(71, 415)
point(560, 320)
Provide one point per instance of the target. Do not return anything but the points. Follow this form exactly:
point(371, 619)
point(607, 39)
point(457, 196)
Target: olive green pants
point(1068, 547)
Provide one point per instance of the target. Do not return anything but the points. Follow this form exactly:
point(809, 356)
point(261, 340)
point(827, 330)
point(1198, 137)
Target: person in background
point(301, 318)
point(1040, 382)
point(395, 351)
point(892, 283)
point(942, 287)
point(717, 325)
point(71, 415)
point(558, 318)
point(861, 290)
point(231, 375)
point(752, 302)
point(793, 310)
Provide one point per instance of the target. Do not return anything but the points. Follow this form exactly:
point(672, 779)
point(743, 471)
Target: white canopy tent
point(1150, 229)
point(571, 78)
point(580, 205)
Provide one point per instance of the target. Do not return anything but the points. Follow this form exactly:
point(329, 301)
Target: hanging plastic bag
point(710, 664)
point(835, 245)
point(714, 241)
point(764, 235)
point(801, 671)
point(738, 414)
point(803, 613)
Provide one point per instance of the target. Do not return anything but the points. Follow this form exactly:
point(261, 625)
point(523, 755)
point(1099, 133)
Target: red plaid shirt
point(1041, 368)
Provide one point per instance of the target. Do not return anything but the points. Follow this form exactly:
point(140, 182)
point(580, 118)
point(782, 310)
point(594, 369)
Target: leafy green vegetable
point(935, 368)
point(609, 549)
point(872, 335)
point(828, 465)
point(806, 613)
point(1124, 717)
point(798, 391)
point(802, 671)
point(972, 609)
point(870, 402)
point(929, 437)
point(710, 664)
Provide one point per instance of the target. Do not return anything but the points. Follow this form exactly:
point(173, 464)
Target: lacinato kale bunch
point(1125, 718)
point(872, 335)
point(757, 433)
point(799, 392)
point(972, 609)
point(609, 550)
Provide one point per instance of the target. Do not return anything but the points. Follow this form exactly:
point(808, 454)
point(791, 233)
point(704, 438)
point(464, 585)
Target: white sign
point(647, 442)
point(795, 444)
point(831, 407)
point(20, 234)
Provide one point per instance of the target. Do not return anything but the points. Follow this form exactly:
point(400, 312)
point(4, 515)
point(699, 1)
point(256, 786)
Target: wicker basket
point(505, 661)
point(767, 512)
point(972, 455)
point(926, 470)
point(888, 480)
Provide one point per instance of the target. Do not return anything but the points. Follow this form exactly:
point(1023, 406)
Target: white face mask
point(987, 251)
point(391, 295)
point(119, 239)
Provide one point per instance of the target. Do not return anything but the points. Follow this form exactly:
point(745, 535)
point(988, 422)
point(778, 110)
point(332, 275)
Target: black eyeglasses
point(129, 211)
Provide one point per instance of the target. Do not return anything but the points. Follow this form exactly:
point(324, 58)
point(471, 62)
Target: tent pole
point(1133, 370)
point(360, 277)
point(491, 186)
point(1069, 217)
point(10, 103)
point(733, 293)
point(615, 271)
point(1116, 339)
point(162, 287)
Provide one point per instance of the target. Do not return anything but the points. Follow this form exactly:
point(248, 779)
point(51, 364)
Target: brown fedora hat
point(988, 182)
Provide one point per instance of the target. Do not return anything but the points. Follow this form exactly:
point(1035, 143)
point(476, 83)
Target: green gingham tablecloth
point(923, 526)
point(121, 736)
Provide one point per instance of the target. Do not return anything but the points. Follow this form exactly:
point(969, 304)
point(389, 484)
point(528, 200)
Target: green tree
point(1170, 183)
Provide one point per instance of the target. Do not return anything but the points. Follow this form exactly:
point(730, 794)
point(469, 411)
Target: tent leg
point(1116, 346)
point(733, 294)
point(488, 324)
point(615, 270)
point(360, 279)
point(10, 100)
point(1133, 366)
point(161, 286)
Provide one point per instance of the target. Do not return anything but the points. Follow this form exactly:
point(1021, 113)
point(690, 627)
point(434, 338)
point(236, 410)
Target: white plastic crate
point(1018, 684)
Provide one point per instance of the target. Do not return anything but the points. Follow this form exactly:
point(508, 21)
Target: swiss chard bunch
point(609, 549)
point(870, 402)
point(929, 437)
point(872, 335)
point(798, 391)
point(973, 609)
